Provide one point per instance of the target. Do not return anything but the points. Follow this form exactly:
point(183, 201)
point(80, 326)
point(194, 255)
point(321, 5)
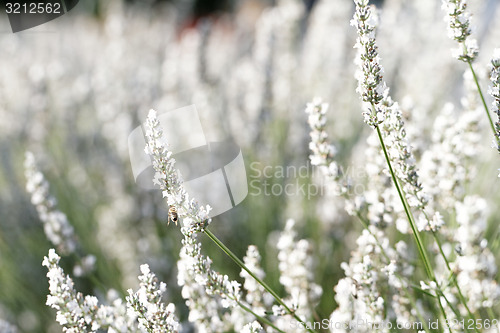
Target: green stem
point(455, 282)
point(442, 310)
point(259, 318)
point(416, 233)
point(482, 97)
point(491, 314)
point(457, 314)
point(419, 315)
point(240, 263)
point(417, 288)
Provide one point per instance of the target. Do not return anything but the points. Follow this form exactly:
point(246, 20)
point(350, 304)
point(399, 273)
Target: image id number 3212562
point(33, 8)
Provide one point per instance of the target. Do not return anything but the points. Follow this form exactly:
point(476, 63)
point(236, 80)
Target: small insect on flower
point(172, 215)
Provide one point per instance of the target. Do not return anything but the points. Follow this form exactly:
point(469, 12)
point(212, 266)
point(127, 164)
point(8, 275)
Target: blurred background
point(72, 90)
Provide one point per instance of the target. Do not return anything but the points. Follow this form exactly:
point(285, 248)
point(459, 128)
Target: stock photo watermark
point(366, 324)
point(357, 324)
point(303, 180)
point(27, 14)
point(215, 173)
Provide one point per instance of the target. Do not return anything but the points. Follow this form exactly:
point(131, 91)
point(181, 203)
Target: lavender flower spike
point(152, 314)
point(371, 86)
point(55, 223)
point(494, 91)
point(195, 218)
point(194, 268)
point(459, 29)
point(323, 153)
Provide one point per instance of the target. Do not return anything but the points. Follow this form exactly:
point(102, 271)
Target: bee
point(172, 215)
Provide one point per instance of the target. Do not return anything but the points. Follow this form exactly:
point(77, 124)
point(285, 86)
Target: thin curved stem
point(454, 280)
point(259, 318)
point(416, 233)
point(240, 263)
point(483, 100)
point(411, 220)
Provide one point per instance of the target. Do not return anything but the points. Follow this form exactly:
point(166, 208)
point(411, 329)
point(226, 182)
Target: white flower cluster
point(77, 313)
point(369, 74)
point(200, 266)
point(205, 311)
point(256, 296)
point(195, 218)
point(494, 91)
point(453, 145)
point(323, 154)
point(382, 214)
point(296, 266)
point(378, 283)
point(257, 299)
point(475, 262)
point(391, 123)
point(55, 223)
point(459, 29)
point(152, 314)
point(380, 197)
point(195, 273)
point(322, 151)
point(404, 164)
point(399, 272)
point(373, 245)
point(253, 327)
point(358, 294)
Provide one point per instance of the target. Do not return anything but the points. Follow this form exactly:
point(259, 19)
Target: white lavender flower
point(400, 153)
point(358, 294)
point(55, 223)
point(79, 313)
point(323, 154)
point(322, 151)
point(206, 291)
point(369, 74)
point(494, 91)
point(380, 197)
point(381, 213)
point(389, 118)
point(214, 283)
point(153, 315)
point(404, 164)
point(475, 263)
point(296, 266)
point(256, 296)
point(194, 268)
point(194, 217)
point(253, 327)
point(454, 146)
point(205, 311)
point(75, 312)
point(116, 316)
point(459, 29)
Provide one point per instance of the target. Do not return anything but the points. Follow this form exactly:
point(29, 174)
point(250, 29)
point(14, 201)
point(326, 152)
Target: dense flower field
point(370, 137)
